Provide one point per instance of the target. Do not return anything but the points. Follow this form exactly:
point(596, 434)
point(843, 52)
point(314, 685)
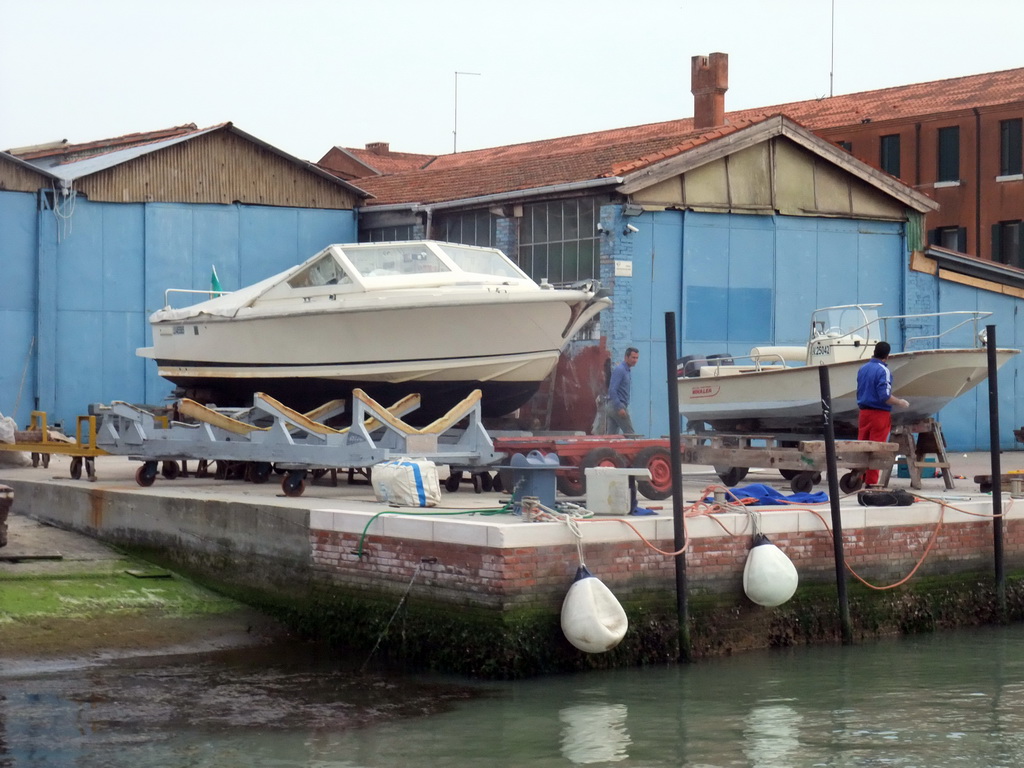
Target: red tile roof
point(390, 162)
point(621, 150)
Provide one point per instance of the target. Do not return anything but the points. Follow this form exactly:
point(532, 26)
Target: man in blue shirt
point(618, 394)
point(875, 400)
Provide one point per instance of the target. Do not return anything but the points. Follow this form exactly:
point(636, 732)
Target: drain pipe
point(998, 524)
point(833, 497)
point(675, 449)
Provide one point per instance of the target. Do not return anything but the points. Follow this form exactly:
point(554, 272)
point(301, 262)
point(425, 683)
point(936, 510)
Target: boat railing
point(869, 329)
point(209, 294)
point(969, 318)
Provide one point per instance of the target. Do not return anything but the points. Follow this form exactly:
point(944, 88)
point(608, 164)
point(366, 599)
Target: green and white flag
point(215, 283)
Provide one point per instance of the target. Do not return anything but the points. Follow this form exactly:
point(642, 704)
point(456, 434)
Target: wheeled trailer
point(269, 436)
point(41, 443)
point(577, 453)
point(799, 461)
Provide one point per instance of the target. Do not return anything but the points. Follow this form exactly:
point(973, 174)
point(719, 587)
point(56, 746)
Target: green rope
point(505, 510)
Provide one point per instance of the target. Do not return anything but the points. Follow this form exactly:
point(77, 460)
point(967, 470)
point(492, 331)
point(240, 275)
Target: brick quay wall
point(480, 594)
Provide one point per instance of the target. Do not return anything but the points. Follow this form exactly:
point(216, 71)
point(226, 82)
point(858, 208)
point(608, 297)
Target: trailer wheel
point(789, 474)
point(803, 482)
point(659, 462)
point(731, 476)
point(452, 482)
point(146, 474)
point(260, 472)
point(486, 482)
point(76, 468)
point(503, 482)
point(294, 484)
point(851, 482)
point(570, 479)
point(599, 457)
point(170, 470)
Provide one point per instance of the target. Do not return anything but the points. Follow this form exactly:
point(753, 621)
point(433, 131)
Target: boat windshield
point(858, 320)
point(395, 259)
point(324, 271)
point(482, 261)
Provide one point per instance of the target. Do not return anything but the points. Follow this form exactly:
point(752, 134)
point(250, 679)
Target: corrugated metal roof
point(75, 162)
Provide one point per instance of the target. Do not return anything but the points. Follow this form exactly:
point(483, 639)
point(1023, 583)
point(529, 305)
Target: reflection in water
point(772, 735)
point(594, 733)
point(922, 702)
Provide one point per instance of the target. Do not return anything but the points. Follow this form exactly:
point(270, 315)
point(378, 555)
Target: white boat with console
point(777, 389)
point(428, 317)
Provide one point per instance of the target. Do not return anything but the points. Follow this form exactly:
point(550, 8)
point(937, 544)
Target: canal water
point(953, 699)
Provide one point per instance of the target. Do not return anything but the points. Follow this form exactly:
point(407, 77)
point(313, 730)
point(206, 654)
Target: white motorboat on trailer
point(434, 318)
point(777, 389)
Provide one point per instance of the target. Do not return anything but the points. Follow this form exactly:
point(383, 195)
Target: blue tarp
point(767, 496)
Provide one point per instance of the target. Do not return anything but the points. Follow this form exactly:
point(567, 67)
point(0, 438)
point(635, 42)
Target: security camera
point(630, 228)
point(600, 227)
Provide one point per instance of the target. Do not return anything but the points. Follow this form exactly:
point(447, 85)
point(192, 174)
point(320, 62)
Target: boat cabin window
point(483, 262)
point(395, 260)
point(324, 271)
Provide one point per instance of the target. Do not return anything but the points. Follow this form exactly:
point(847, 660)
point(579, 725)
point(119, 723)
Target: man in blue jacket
point(875, 400)
point(618, 394)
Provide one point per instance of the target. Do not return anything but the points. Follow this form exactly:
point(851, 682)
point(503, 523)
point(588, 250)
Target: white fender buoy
point(592, 619)
point(769, 577)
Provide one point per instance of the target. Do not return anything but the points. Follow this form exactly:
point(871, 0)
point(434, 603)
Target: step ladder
point(915, 452)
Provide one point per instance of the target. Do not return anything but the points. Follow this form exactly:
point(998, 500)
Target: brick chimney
point(378, 147)
point(709, 80)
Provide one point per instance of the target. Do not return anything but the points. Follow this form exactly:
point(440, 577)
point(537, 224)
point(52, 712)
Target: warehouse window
point(1007, 243)
point(469, 228)
point(388, 234)
point(1010, 147)
point(889, 158)
point(949, 154)
point(558, 240)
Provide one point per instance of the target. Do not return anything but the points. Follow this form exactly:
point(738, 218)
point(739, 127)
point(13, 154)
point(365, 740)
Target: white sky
point(305, 75)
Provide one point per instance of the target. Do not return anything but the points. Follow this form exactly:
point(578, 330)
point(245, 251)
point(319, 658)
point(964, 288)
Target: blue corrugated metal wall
point(18, 246)
point(84, 287)
point(735, 281)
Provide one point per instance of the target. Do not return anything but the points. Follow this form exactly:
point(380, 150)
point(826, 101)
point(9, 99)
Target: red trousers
point(873, 425)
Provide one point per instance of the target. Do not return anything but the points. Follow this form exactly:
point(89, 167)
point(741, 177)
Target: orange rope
point(704, 508)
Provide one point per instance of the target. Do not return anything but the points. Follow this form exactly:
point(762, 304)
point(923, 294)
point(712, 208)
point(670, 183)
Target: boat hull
point(504, 347)
point(789, 400)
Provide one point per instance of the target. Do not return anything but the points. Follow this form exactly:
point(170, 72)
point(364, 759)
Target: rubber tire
point(293, 484)
point(802, 483)
point(851, 482)
point(568, 481)
point(453, 481)
point(170, 470)
point(486, 482)
point(789, 474)
point(76, 468)
point(260, 472)
point(659, 462)
point(731, 476)
point(146, 474)
point(599, 457)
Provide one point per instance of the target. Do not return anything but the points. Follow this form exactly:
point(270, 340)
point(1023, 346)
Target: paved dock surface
point(38, 542)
